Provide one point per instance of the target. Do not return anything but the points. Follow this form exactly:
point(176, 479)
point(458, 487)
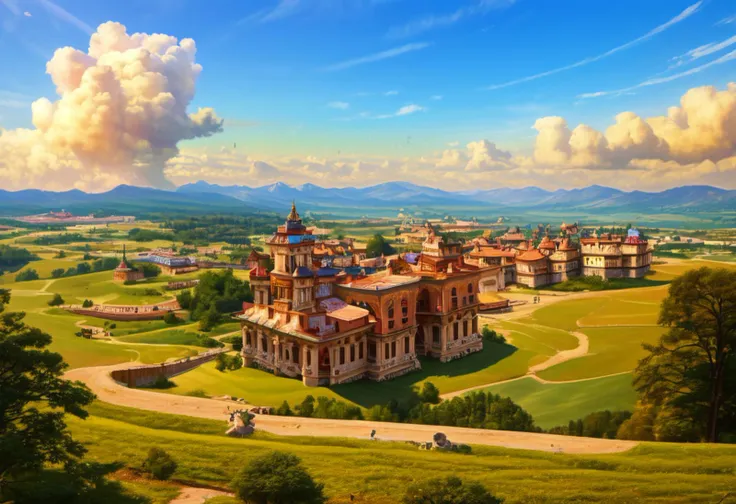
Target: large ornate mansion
point(319, 316)
point(329, 326)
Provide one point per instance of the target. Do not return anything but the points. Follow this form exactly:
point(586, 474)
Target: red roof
point(122, 265)
point(259, 272)
point(531, 255)
point(546, 243)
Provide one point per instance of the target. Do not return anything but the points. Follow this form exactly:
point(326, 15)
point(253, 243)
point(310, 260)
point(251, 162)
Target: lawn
point(494, 363)
point(554, 404)
point(186, 335)
point(43, 267)
point(612, 350)
point(379, 472)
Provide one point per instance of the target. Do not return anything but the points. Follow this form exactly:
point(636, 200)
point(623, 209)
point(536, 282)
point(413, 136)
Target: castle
point(330, 326)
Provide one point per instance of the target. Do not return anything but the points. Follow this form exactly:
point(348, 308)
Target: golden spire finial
point(293, 215)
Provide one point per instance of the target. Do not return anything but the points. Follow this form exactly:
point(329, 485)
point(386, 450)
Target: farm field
point(661, 473)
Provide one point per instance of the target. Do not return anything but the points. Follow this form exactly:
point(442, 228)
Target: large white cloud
point(121, 111)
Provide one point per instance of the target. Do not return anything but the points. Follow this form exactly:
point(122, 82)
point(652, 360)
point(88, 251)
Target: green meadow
point(379, 472)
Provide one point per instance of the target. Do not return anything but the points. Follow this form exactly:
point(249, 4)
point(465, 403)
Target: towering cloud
point(121, 111)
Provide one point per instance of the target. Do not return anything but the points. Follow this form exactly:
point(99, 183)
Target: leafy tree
point(430, 393)
point(61, 254)
point(87, 303)
point(277, 478)
point(57, 300)
point(83, 268)
point(235, 340)
point(215, 294)
point(492, 336)
point(57, 273)
point(450, 490)
point(377, 245)
point(185, 299)
point(34, 399)
point(159, 464)
point(171, 318)
point(284, 409)
point(691, 373)
point(24, 276)
point(12, 258)
point(149, 270)
point(228, 362)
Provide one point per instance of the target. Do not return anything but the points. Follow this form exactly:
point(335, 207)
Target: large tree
point(691, 373)
point(33, 401)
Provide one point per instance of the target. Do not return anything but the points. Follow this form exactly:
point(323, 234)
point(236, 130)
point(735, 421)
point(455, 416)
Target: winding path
point(98, 379)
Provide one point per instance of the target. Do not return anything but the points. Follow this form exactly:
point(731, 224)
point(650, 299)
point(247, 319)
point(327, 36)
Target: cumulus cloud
point(121, 111)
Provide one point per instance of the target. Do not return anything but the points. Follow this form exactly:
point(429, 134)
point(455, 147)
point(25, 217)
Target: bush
point(449, 490)
point(57, 273)
point(430, 393)
point(159, 464)
point(87, 303)
point(150, 270)
point(228, 362)
point(277, 478)
point(25, 276)
point(235, 340)
point(171, 318)
point(161, 383)
point(56, 300)
point(61, 254)
point(492, 336)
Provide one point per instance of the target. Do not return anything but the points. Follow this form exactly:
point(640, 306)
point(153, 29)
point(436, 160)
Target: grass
point(586, 283)
point(556, 404)
point(494, 363)
point(168, 337)
point(658, 473)
point(612, 350)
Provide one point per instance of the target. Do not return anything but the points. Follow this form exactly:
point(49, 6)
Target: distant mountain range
point(404, 194)
point(383, 199)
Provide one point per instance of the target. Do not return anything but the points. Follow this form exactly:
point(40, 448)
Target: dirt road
point(99, 380)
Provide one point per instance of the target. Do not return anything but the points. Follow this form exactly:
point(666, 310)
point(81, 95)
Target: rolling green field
point(379, 472)
point(556, 404)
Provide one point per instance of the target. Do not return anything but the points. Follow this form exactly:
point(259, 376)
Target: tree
point(171, 318)
point(450, 490)
point(277, 478)
point(150, 270)
point(159, 464)
point(61, 254)
point(693, 368)
point(34, 399)
point(430, 393)
point(377, 246)
point(57, 273)
point(56, 300)
point(83, 268)
point(87, 303)
point(24, 276)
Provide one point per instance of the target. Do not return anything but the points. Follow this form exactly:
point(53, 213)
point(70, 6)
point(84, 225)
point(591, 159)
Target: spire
point(123, 251)
point(293, 215)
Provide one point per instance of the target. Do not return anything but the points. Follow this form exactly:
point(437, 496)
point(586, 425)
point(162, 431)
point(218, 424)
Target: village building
point(331, 326)
point(169, 263)
point(513, 237)
point(125, 272)
point(611, 256)
point(256, 258)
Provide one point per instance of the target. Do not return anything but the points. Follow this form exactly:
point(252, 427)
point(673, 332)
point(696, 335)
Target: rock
point(441, 442)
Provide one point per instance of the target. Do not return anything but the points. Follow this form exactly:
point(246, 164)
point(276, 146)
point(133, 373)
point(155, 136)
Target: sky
point(452, 94)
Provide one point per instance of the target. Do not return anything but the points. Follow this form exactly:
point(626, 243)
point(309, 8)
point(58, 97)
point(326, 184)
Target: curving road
point(98, 379)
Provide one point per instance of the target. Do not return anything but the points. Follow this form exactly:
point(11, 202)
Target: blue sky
point(394, 78)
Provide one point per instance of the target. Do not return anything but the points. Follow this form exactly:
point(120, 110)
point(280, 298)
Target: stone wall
point(145, 375)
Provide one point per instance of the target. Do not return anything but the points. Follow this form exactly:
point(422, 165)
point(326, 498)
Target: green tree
point(377, 246)
point(34, 399)
point(150, 270)
point(24, 276)
point(171, 318)
point(693, 368)
point(57, 273)
point(159, 464)
point(450, 490)
point(56, 300)
point(430, 393)
point(83, 268)
point(277, 478)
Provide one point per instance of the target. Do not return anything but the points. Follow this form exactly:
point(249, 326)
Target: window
point(454, 298)
point(465, 327)
point(393, 349)
point(295, 354)
point(352, 353)
point(475, 325)
point(404, 311)
point(470, 288)
point(286, 353)
point(360, 351)
point(471, 296)
point(406, 345)
point(455, 330)
point(391, 314)
point(372, 352)
point(342, 355)
point(436, 338)
point(247, 338)
point(309, 357)
point(387, 352)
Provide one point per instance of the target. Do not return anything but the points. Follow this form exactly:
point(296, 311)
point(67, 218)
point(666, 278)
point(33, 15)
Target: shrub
point(171, 318)
point(430, 393)
point(150, 270)
point(57, 273)
point(162, 382)
point(197, 393)
point(277, 478)
point(235, 340)
point(24, 276)
point(56, 300)
point(159, 464)
point(83, 268)
point(492, 336)
point(61, 254)
point(87, 303)
point(284, 409)
point(228, 362)
point(450, 490)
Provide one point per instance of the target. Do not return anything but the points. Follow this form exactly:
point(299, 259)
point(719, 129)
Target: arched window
point(404, 311)
point(391, 314)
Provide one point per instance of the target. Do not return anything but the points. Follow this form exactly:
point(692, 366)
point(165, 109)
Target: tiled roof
point(531, 255)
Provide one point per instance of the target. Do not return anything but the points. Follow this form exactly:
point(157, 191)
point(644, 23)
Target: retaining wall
point(145, 375)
